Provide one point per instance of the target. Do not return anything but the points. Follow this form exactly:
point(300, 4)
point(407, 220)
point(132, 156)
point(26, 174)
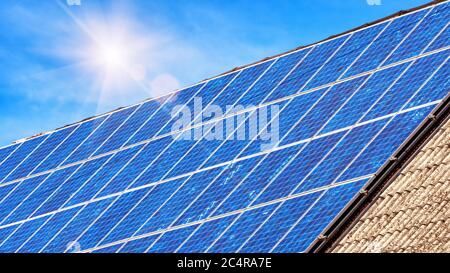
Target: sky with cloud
point(51, 73)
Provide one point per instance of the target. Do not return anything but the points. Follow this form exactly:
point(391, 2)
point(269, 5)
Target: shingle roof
point(413, 213)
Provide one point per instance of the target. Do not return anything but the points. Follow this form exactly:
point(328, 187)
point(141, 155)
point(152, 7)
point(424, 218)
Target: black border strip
point(382, 179)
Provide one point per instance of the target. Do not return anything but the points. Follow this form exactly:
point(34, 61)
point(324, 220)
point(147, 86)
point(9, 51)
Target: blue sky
point(50, 75)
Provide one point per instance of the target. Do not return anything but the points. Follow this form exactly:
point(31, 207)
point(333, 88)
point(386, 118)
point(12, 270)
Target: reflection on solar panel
point(125, 182)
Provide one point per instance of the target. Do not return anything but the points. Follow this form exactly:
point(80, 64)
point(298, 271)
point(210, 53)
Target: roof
point(413, 213)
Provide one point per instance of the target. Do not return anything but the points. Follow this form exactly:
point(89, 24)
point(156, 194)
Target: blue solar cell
point(5, 190)
point(111, 216)
point(435, 89)
point(441, 41)
point(386, 143)
point(20, 154)
point(341, 156)
point(24, 231)
point(48, 230)
point(130, 127)
point(159, 169)
point(27, 166)
point(432, 24)
point(387, 42)
point(242, 229)
point(303, 162)
point(364, 98)
point(24, 189)
point(170, 241)
point(39, 194)
point(94, 141)
point(318, 217)
point(233, 92)
point(204, 236)
point(73, 141)
point(300, 76)
point(5, 232)
point(179, 200)
point(232, 147)
point(207, 94)
point(5, 152)
point(272, 78)
point(325, 108)
point(255, 181)
point(163, 115)
point(70, 186)
point(103, 176)
point(69, 234)
point(144, 209)
point(407, 85)
point(134, 168)
point(345, 56)
point(218, 189)
point(278, 224)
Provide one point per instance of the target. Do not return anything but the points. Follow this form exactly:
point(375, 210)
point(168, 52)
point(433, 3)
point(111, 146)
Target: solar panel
point(127, 181)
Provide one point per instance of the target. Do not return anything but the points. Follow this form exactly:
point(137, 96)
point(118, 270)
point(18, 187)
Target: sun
point(111, 57)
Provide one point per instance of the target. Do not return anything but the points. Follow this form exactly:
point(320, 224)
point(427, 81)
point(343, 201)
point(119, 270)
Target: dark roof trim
point(382, 179)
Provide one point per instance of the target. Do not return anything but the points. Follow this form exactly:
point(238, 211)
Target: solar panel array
point(124, 182)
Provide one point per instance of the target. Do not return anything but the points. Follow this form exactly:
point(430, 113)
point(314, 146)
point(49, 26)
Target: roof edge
point(353, 212)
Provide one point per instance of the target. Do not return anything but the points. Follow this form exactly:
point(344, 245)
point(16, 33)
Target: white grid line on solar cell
point(356, 157)
point(233, 71)
point(222, 164)
point(237, 113)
